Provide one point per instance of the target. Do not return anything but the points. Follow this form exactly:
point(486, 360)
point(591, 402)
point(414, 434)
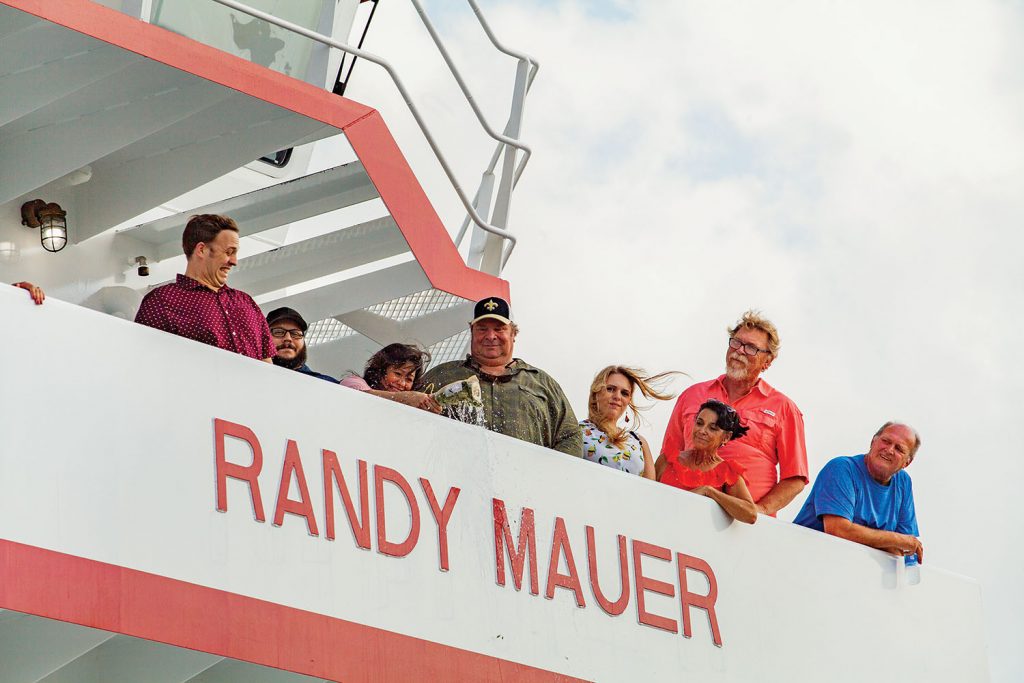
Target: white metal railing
point(488, 175)
point(526, 71)
point(523, 58)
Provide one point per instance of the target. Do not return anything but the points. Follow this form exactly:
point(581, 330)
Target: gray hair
point(894, 423)
point(753, 320)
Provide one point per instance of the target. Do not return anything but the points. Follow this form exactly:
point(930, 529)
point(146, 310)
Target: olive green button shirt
point(525, 403)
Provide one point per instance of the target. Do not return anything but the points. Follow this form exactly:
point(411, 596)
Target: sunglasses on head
point(728, 408)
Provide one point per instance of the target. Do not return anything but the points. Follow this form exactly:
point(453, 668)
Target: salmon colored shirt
point(774, 447)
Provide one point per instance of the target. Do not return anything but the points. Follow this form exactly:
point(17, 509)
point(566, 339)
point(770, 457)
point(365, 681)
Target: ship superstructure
point(131, 126)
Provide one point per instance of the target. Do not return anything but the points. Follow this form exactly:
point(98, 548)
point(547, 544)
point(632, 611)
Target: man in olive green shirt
point(519, 400)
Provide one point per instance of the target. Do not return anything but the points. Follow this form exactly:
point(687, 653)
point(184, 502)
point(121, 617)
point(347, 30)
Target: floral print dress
point(597, 447)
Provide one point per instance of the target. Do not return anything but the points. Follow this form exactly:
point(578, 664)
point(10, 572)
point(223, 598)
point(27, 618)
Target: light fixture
point(51, 221)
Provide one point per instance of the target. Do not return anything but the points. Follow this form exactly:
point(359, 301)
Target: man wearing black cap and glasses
point(519, 400)
point(288, 329)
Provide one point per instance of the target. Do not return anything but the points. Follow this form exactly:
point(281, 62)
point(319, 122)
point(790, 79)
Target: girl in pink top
point(700, 470)
point(391, 373)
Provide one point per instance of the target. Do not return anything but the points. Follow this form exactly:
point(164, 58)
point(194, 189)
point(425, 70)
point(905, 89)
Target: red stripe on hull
point(416, 218)
point(104, 596)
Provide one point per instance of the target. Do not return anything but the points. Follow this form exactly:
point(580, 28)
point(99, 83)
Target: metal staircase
point(119, 119)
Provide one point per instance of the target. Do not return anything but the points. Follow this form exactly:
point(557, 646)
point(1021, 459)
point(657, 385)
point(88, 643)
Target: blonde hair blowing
point(753, 320)
point(638, 379)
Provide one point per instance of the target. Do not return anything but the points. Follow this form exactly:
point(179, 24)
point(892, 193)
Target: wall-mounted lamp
point(51, 221)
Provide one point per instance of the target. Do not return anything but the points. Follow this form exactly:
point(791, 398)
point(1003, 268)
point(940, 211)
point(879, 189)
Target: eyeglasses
point(281, 333)
point(748, 349)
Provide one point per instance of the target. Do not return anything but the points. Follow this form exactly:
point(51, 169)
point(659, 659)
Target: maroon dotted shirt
point(228, 318)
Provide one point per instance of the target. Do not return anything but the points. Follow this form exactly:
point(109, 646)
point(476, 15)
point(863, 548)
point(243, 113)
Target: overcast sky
point(852, 170)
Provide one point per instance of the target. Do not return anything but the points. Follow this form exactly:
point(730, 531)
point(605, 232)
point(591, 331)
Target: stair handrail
point(490, 170)
point(534, 66)
point(531, 63)
point(462, 83)
point(403, 91)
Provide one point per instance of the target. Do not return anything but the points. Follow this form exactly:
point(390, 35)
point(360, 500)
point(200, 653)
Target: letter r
point(247, 473)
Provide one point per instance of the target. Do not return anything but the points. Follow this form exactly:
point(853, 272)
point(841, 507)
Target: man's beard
point(735, 373)
point(294, 363)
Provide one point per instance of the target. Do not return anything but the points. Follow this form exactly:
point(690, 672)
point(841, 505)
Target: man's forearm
point(888, 541)
point(780, 495)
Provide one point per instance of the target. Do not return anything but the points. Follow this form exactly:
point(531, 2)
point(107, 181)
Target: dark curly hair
point(394, 355)
point(728, 419)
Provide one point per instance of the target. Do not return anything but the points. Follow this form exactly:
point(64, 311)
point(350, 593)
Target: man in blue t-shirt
point(868, 498)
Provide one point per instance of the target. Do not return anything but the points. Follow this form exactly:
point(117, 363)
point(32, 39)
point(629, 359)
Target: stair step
point(269, 207)
point(319, 256)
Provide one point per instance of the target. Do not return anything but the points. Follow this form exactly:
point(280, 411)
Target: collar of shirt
point(511, 370)
point(761, 387)
point(185, 282)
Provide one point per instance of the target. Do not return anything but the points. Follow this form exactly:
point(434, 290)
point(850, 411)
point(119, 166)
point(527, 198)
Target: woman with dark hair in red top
point(700, 470)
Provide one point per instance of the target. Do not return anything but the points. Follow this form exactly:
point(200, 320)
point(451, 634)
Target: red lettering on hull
point(559, 547)
point(382, 474)
point(442, 515)
point(247, 473)
point(517, 556)
point(619, 606)
point(644, 584)
point(292, 468)
point(360, 524)
point(526, 551)
point(704, 602)
point(520, 551)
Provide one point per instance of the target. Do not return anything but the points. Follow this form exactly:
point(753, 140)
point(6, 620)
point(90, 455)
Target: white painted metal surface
point(109, 454)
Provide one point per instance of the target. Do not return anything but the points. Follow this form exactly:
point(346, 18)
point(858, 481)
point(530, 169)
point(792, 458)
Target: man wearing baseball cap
point(519, 400)
point(288, 329)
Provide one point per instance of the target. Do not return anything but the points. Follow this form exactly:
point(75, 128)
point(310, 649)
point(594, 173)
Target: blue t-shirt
point(844, 488)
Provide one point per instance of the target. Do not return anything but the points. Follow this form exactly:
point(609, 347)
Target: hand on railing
point(35, 292)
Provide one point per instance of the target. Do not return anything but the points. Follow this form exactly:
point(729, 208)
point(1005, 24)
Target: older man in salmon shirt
point(773, 452)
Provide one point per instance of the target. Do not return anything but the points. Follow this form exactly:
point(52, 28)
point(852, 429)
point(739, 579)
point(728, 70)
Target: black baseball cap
point(492, 307)
point(285, 313)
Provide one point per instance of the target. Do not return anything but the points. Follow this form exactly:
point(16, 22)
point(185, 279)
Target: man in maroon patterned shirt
point(199, 305)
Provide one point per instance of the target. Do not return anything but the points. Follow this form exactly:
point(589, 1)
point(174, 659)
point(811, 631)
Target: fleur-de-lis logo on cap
point(491, 305)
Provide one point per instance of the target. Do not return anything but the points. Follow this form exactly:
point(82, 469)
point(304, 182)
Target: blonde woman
point(605, 441)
